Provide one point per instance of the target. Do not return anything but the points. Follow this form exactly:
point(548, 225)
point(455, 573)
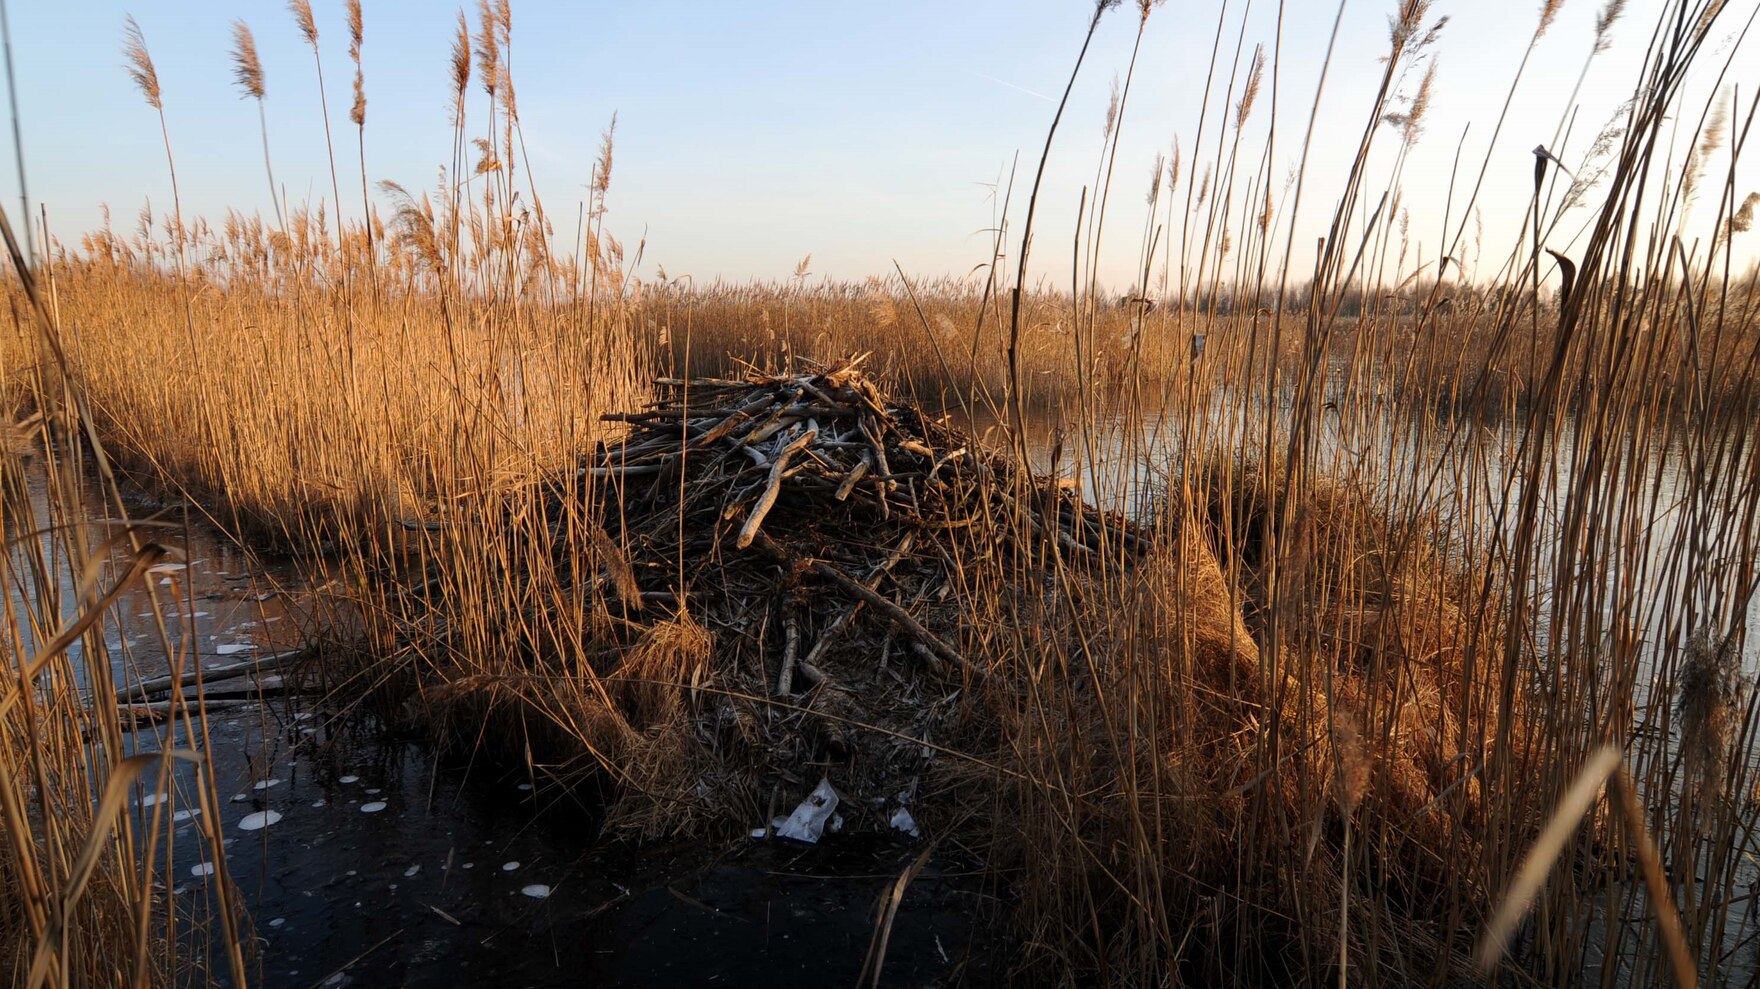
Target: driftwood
point(208, 674)
point(156, 711)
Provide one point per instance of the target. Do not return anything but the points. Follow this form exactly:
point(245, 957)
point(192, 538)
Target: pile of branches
point(820, 534)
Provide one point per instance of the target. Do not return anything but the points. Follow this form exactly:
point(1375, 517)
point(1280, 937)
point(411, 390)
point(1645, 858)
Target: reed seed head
point(353, 10)
point(1709, 143)
point(1743, 220)
point(1411, 122)
point(488, 48)
point(247, 69)
point(461, 57)
point(602, 167)
point(1403, 26)
point(1548, 13)
point(302, 16)
point(1604, 22)
point(140, 63)
point(1112, 106)
point(1255, 75)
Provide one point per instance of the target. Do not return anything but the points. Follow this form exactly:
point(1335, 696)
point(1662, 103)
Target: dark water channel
point(383, 862)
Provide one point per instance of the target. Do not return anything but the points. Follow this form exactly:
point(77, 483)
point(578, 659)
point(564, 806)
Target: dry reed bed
point(85, 899)
point(795, 576)
point(301, 417)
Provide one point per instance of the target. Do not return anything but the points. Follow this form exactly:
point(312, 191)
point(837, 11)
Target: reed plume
point(488, 48)
point(1604, 22)
point(1255, 75)
point(357, 113)
point(140, 63)
point(1709, 142)
point(303, 19)
point(1743, 219)
point(247, 72)
point(602, 166)
point(1111, 120)
point(146, 79)
point(461, 65)
point(1548, 13)
point(1411, 123)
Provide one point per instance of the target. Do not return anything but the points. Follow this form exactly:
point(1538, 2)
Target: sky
point(750, 135)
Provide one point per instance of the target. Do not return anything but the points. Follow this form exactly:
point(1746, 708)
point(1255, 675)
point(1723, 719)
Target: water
point(363, 857)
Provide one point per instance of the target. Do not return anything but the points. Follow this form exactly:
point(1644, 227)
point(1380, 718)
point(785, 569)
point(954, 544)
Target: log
point(208, 674)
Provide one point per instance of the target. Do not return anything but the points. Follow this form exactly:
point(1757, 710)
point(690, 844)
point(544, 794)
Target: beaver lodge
point(803, 603)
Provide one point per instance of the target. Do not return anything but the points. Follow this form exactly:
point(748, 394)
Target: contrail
point(1010, 85)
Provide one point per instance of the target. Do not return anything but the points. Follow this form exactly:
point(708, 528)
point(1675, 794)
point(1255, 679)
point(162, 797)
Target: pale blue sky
point(751, 134)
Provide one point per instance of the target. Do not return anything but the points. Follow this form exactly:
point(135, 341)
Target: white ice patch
point(202, 869)
point(903, 821)
point(509, 866)
point(525, 786)
point(234, 648)
point(319, 803)
point(373, 808)
point(278, 921)
point(410, 872)
point(348, 779)
point(808, 821)
point(265, 784)
point(536, 891)
point(153, 798)
point(259, 820)
point(186, 813)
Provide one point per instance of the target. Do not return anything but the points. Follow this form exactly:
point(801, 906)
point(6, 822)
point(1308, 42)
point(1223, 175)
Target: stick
point(855, 474)
point(160, 710)
point(898, 615)
point(767, 500)
point(790, 647)
point(842, 622)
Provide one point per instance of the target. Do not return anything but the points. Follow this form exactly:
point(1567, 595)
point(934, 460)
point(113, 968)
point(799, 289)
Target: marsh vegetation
point(1262, 633)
